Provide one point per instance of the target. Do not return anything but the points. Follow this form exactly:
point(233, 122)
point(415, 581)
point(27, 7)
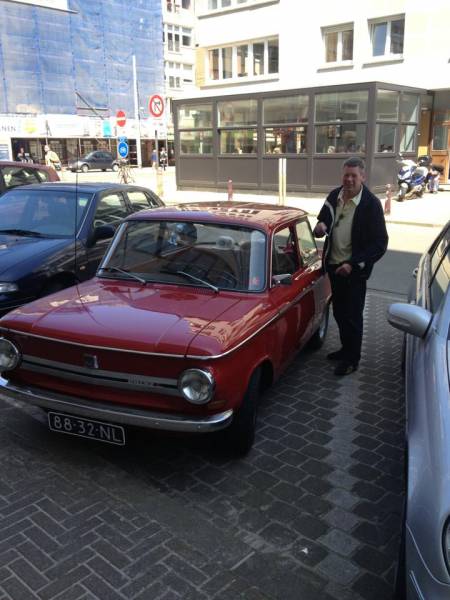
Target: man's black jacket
point(369, 235)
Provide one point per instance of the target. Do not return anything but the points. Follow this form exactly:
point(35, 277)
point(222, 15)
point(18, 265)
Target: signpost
point(156, 106)
point(121, 118)
point(122, 148)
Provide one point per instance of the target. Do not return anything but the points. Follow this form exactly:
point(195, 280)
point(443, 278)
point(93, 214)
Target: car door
point(96, 160)
point(110, 209)
point(314, 300)
point(288, 288)
point(105, 160)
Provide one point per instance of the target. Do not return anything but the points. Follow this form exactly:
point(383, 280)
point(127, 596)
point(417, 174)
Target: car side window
point(440, 249)
point(42, 175)
point(285, 259)
point(306, 242)
point(110, 210)
point(15, 176)
point(440, 282)
point(140, 200)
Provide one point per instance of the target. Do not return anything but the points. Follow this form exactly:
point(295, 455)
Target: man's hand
point(344, 270)
point(320, 229)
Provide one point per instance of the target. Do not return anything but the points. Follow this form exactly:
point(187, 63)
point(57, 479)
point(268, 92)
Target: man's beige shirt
point(341, 246)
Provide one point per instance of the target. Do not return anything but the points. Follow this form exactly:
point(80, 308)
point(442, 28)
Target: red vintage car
point(193, 311)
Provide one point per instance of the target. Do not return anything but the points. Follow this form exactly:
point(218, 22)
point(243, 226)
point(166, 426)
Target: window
point(110, 210)
point(284, 253)
point(140, 200)
point(186, 37)
point(440, 282)
point(195, 124)
point(387, 36)
point(254, 60)
point(238, 141)
point(173, 38)
point(387, 109)
point(186, 4)
point(306, 242)
point(338, 43)
point(409, 110)
point(237, 112)
point(15, 176)
point(287, 111)
point(337, 129)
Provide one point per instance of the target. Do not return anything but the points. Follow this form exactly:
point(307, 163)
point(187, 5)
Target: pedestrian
point(352, 219)
point(433, 178)
point(51, 158)
point(21, 155)
point(154, 159)
point(163, 158)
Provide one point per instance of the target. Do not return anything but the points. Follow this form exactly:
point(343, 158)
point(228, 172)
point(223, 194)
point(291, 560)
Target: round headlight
point(9, 355)
point(197, 386)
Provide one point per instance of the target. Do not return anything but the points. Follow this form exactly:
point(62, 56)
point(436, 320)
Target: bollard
point(387, 204)
point(230, 190)
point(160, 182)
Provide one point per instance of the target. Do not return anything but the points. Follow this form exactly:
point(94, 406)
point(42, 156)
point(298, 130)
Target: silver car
point(424, 562)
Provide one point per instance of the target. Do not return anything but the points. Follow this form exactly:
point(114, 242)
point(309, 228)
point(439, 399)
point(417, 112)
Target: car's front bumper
point(420, 583)
point(124, 415)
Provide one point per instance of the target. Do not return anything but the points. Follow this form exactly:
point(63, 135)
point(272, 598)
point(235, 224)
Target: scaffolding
point(50, 59)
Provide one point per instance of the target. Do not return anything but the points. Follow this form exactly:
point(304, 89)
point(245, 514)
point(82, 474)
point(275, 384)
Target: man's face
point(352, 180)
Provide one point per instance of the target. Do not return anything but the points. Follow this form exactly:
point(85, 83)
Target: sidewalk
point(432, 210)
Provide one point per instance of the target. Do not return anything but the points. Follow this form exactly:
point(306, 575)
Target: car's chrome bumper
point(420, 583)
point(124, 415)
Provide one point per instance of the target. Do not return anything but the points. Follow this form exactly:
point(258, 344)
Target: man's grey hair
point(355, 161)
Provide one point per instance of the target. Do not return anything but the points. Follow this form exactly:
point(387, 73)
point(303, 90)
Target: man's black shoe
point(337, 355)
point(345, 368)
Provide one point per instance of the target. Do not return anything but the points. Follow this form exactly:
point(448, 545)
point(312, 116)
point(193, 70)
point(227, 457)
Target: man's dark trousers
point(348, 297)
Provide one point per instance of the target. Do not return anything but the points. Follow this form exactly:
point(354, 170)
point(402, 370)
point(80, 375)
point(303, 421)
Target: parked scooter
point(412, 177)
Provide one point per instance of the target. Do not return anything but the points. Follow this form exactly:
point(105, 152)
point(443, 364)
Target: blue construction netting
point(54, 61)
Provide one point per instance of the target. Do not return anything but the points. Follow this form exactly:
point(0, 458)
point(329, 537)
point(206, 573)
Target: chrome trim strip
point(115, 414)
point(50, 339)
point(187, 356)
point(121, 380)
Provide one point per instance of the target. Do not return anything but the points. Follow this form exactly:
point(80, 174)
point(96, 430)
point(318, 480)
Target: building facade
point(314, 86)
point(179, 61)
point(67, 67)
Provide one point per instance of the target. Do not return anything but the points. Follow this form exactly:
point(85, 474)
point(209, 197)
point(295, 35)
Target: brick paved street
point(313, 512)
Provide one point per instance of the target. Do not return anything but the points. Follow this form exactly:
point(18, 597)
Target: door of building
point(440, 149)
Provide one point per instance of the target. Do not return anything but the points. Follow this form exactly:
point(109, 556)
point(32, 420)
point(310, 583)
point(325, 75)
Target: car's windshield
point(52, 213)
point(186, 253)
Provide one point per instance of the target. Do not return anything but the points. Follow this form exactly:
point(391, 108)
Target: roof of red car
point(237, 213)
point(11, 163)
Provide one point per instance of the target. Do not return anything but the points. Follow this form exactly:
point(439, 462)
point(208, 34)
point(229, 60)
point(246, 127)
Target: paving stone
point(312, 512)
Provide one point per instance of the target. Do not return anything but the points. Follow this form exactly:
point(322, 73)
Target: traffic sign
point(156, 106)
point(122, 149)
point(121, 118)
point(122, 138)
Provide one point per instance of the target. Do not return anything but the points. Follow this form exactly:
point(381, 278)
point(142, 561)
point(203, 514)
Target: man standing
point(352, 219)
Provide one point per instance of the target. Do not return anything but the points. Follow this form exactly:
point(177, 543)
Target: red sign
point(156, 106)
point(120, 118)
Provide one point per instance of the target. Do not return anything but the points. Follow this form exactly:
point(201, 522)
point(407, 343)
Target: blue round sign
point(122, 149)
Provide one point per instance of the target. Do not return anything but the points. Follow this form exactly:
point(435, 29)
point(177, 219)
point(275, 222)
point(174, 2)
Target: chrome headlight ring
point(7, 287)
point(10, 355)
point(196, 386)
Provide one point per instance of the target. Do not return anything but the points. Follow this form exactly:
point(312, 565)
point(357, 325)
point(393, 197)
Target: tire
point(115, 168)
point(240, 435)
point(85, 168)
point(318, 338)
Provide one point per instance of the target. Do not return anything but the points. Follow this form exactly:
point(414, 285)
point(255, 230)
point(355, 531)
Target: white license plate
point(87, 428)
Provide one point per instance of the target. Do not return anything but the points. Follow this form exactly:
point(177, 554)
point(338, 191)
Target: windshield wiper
point(22, 232)
point(124, 272)
point(189, 276)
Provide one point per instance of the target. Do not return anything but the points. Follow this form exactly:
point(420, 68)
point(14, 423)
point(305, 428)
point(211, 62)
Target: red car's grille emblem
point(90, 361)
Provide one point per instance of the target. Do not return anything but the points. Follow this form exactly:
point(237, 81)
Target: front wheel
point(115, 168)
point(240, 435)
point(84, 168)
point(319, 336)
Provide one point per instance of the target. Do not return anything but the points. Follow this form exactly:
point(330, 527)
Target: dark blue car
point(53, 235)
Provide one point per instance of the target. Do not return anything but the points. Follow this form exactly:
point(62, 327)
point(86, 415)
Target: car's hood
point(153, 318)
point(17, 249)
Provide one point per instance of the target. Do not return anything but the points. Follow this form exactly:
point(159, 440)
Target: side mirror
point(284, 279)
point(102, 232)
point(409, 318)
